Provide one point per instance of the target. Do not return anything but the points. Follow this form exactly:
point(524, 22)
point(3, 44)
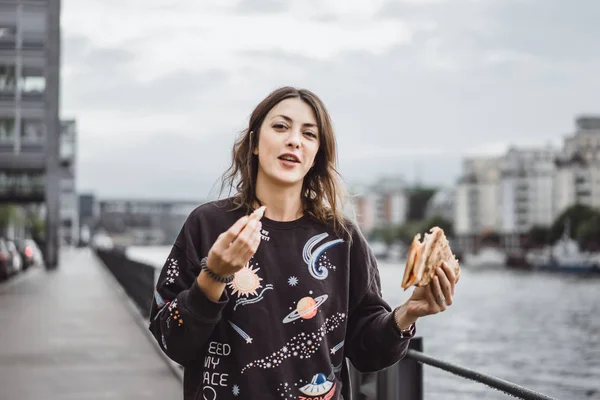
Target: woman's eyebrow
point(289, 120)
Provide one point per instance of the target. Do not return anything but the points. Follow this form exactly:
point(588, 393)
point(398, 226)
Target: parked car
point(10, 260)
point(17, 261)
point(5, 261)
point(27, 249)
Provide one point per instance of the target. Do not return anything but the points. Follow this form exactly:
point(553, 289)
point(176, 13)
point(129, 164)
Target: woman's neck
point(283, 203)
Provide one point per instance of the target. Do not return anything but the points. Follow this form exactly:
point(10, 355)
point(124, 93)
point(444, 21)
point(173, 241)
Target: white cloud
point(196, 36)
point(160, 88)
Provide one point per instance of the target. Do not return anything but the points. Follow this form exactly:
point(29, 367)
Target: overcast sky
point(160, 88)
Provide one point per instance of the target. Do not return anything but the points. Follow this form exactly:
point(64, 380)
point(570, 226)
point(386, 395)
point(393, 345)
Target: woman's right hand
point(233, 248)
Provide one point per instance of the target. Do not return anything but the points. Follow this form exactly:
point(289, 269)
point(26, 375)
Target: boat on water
point(565, 256)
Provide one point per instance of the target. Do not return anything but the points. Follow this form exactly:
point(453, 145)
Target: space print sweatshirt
point(307, 300)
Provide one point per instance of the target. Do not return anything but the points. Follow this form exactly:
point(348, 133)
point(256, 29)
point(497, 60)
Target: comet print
point(243, 334)
point(337, 347)
point(311, 257)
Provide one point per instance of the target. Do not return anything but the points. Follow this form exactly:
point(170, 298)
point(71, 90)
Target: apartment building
point(29, 109)
point(381, 204)
point(506, 195)
point(477, 196)
point(578, 167)
point(527, 189)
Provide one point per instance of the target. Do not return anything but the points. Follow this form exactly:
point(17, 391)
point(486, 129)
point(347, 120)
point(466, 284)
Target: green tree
point(588, 234)
point(7, 215)
point(576, 216)
point(406, 232)
point(538, 236)
point(437, 220)
point(418, 199)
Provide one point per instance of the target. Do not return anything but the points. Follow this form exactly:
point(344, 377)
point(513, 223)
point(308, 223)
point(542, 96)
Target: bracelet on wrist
point(212, 275)
point(406, 333)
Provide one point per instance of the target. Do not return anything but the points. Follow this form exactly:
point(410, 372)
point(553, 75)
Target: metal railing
point(402, 381)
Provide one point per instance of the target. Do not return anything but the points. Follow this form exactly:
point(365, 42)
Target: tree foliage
point(575, 216)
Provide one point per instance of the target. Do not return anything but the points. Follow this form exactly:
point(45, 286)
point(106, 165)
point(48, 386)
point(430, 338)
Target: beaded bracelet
point(214, 276)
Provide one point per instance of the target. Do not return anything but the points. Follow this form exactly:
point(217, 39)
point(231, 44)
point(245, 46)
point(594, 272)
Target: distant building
point(477, 199)
point(143, 222)
point(69, 204)
point(89, 212)
point(29, 110)
point(578, 167)
point(510, 194)
point(381, 204)
point(527, 189)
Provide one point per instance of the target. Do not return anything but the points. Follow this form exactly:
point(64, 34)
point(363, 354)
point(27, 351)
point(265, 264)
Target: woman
point(271, 308)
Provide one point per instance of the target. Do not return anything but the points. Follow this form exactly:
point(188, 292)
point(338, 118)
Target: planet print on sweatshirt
point(306, 308)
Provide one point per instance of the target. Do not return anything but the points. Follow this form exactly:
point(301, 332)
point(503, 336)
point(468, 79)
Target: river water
point(537, 329)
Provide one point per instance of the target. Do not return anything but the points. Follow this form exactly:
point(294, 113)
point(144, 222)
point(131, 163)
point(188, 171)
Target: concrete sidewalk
point(70, 334)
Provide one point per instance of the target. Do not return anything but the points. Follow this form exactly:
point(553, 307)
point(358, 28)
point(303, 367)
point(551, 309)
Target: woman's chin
point(287, 179)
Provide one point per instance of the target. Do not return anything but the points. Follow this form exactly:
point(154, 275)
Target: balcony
point(22, 187)
point(32, 161)
point(22, 194)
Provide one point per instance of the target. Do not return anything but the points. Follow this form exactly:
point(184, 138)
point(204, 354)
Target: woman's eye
point(279, 126)
point(311, 134)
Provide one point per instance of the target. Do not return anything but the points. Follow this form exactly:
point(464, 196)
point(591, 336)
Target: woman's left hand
point(435, 297)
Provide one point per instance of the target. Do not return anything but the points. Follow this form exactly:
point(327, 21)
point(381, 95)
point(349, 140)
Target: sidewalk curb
point(142, 323)
point(23, 275)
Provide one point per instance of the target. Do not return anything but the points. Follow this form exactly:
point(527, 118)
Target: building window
point(22, 183)
point(7, 128)
point(7, 78)
point(8, 33)
point(33, 130)
point(33, 81)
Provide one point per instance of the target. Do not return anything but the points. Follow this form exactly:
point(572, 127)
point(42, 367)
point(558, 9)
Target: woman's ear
point(254, 149)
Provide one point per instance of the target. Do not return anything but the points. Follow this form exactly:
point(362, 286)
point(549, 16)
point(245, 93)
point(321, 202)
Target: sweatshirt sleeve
point(182, 318)
point(373, 339)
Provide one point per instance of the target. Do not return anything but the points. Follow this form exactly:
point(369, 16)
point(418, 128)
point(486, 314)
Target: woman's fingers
point(445, 285)
point(224, 240)
point(438, 293)
point(450, 274)
point(431, 296)
point(255, 242)
point(243, 241)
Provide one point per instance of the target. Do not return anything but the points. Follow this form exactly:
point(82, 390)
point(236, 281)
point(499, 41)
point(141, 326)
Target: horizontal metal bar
point(496, 383)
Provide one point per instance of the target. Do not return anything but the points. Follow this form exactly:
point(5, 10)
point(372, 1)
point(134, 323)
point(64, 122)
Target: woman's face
point(287, 143)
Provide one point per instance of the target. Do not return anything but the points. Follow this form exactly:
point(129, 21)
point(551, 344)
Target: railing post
point(405, 379)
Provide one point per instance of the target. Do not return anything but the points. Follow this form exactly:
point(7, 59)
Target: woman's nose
point(294, 139)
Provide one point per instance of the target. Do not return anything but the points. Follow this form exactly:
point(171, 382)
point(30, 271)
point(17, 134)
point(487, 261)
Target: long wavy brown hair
point(323, 194)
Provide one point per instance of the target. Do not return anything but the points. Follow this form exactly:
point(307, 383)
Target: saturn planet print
point(306, 308)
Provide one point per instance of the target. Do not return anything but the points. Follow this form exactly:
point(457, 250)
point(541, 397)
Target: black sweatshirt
point(282, 329)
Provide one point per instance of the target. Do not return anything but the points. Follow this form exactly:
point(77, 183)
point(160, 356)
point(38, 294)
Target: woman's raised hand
point(233, 248)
